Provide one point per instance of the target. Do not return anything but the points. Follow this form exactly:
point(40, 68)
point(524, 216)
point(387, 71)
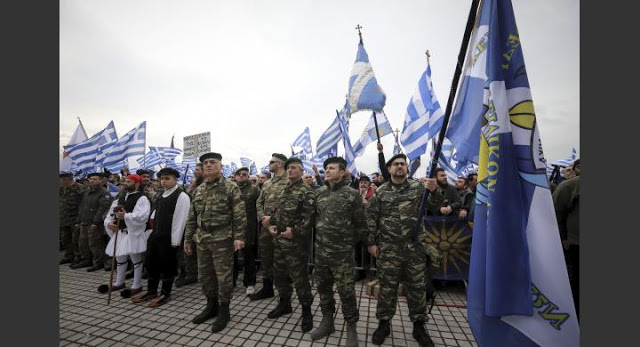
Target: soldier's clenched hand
point(238, 245)
point(374, 251)
point(265, 221)
point(430, 184)
point(273, 230)
point(287, 234)
point(187, 248)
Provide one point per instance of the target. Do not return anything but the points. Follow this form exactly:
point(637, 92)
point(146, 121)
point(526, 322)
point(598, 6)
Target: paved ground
point(87, 320)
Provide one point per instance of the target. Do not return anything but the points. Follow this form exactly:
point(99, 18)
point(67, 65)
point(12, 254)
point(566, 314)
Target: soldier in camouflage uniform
point(391, 217)
point(250, 193)
point(93, 208)
point(265, 205)
point(216, 223)
point(70, 197)
point(290, 227)
point(340, 224)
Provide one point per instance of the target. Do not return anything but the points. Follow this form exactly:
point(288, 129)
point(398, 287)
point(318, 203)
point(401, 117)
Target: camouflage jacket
point(250, 194)
point(295, 208)
point(271, 190)
point(392, 213)
point(340, 220)
point(217, 213)
point(94, 205)
point(70, 198)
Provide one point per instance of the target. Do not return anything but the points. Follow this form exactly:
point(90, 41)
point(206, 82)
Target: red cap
point(135, 178)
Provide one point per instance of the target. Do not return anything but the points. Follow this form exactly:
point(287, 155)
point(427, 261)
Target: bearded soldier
point(392, 215)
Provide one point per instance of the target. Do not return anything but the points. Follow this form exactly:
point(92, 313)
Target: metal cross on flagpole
point(358, 27)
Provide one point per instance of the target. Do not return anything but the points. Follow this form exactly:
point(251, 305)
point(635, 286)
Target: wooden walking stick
point(113, 259)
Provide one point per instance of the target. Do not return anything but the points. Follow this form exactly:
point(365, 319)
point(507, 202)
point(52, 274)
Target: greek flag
point(233, 167)
point(369, 132)
point(130, 144)
point(227, 171)
point(327, 145)
point(519, 293)
point(245, 162)
point(85, 153)
point(252, 169)
point(423, 119)
point(308, 164)
point(364, 91)
point(562, 163)
point(150, 159)
point(396, 145)
point(79, 135)
point(166, 153)
point(349, 155)
point(302, 141)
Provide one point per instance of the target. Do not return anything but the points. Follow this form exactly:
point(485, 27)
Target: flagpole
point(375, 120)
point(452, 93)
point(184, 178)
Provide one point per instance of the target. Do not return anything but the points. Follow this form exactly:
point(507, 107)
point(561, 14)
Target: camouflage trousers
point(67, 241)
point(215, 269)
point(338, 271)
point(91, 244)
point(265, 249)
point(290, 269)
point(406, 263)
point(188, 264)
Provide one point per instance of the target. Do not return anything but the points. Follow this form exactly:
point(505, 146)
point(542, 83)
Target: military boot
point(421, 335)
point(384, 329)
point(265, 292)
point(284, 307)
point(210, 311)
point(352, 335)
point(307, 318)
point(325, 329)
point(223, 318)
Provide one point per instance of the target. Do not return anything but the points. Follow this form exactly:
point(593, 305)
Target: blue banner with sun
point(451, 236)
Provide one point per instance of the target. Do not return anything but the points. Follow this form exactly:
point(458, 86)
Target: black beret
point(396, 157)
point(364, 177)
point(291, 161)
point(210, 155)
point(66, 174)
point(169, 171)
point(141, 172)
point(95, 174)
point(334, 160)
point(279, 156)
point(244, 168)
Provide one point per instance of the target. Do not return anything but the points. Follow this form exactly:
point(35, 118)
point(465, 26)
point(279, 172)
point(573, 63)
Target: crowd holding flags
point(519, 291)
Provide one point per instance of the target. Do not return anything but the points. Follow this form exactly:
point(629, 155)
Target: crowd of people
point(279, 222)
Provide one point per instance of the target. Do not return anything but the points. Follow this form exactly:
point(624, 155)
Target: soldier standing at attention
point(290, 227)
point(340, 224)
point(392, 214)
point(250, 193)
point(265, 205)
point(217, 221)
point(70, 197)
point(94, 205)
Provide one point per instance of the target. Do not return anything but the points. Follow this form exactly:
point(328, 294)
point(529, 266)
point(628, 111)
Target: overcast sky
point(256, 73)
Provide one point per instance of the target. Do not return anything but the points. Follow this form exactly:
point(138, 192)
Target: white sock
point(121, 269)
point(136, 259)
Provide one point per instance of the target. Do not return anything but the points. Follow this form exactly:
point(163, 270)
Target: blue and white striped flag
point(445, 160)
point(252, 169)
point(227, 171)
point(327, 145)
point(364, 91)
point(349, 155)
point(519, 293)
point(423, 119)
point(562, 163)
point(166, 153)
point(84, 153)
point(245, 162)
point(150, 159)
point(369, 132)
point(303, 141)
point(233, 167)
point(130, 144)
